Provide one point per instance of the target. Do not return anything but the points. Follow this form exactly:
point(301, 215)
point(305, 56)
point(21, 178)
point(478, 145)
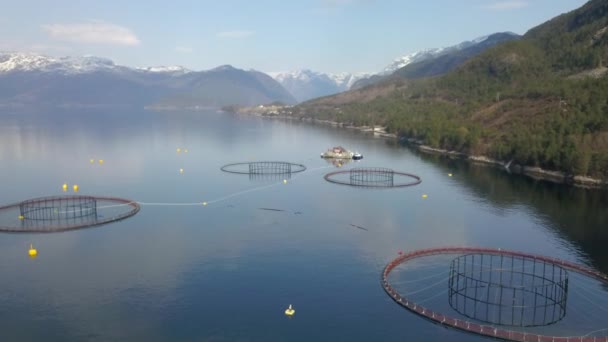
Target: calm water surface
point(228, 270)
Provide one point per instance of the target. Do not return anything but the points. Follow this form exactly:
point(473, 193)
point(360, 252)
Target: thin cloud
point(238, 34)
point(506, 5)
point(92, 32)
point(183, 49)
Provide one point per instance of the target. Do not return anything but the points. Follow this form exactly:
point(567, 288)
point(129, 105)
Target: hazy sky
point(268, 35)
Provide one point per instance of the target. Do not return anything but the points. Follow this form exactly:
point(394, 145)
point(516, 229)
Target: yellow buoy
point(65, 187)
point(100, 161)
point(425, 196)
point(186, 151)
point(21, 217)
point(91, 161)
point(75, 187)
point(32, 252)
point(178, 150)
point(290, 311)
point(181, 170)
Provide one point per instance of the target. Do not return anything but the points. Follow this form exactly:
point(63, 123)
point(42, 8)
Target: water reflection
point(337, 162)
point(577, 214)
point(159, 274)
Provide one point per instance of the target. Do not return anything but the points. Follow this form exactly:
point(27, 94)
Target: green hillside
point(541, 100)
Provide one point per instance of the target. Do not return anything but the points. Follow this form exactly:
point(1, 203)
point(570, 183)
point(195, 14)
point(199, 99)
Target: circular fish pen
point(373, 177)
point(62, 213)
point(264, 168)
point(501, 294)
point(508, 290)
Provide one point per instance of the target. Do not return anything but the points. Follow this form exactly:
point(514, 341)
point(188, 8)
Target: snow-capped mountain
point(31, 79)
point(16, 61)
point(32, 62)
point(414, 57)
point(435, 61)
point(173, 69)
point(425, 54)
point(345, 80)
point(307, 84)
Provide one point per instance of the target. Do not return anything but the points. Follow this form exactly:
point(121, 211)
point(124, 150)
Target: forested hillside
point(541, 100)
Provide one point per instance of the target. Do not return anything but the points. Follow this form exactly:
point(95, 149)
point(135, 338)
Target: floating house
point(338, 152)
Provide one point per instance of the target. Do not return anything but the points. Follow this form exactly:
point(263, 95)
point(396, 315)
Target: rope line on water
point(444, 292)
point(595, 331)
point(580, 293)
point(420, 279)
point(597, 293)
point(177, 204)
point(428, 287)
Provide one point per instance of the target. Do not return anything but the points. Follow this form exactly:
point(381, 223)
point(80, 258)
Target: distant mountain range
point(436, 61)
point(307, 84)
point(30, 79)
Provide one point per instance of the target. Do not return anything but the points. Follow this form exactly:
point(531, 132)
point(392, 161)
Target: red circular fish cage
point(264, 168)
point(373, 177)
point(62, 213)
point(497, 332)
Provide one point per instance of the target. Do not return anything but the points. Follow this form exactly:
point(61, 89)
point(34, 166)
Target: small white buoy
point(284, 181)
point(91, 161)
point(181, 170)
point(449, 175)
point(204, 203)
point(290, 311)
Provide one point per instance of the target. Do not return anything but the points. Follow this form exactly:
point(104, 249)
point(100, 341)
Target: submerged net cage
point(500, 294)
point(373, 177)
point(61, 213)
point(264, 168)
point(377, 176)
point(58, 208)
point(508, 289)
point(269, 176)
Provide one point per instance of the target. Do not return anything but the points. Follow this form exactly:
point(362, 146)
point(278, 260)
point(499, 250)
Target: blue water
point(228, 270)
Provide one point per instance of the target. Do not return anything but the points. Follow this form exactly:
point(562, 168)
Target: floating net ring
point(555, 279)
point(264, 168)
point(58, 208)
point(62, 213)
point(373, 177)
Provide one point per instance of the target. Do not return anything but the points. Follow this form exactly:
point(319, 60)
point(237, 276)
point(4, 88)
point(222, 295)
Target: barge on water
point(340, 152)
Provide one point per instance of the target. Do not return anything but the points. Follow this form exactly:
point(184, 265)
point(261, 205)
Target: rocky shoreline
point(530, 171)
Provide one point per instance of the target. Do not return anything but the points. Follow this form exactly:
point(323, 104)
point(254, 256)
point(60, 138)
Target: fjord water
point(228, 270)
